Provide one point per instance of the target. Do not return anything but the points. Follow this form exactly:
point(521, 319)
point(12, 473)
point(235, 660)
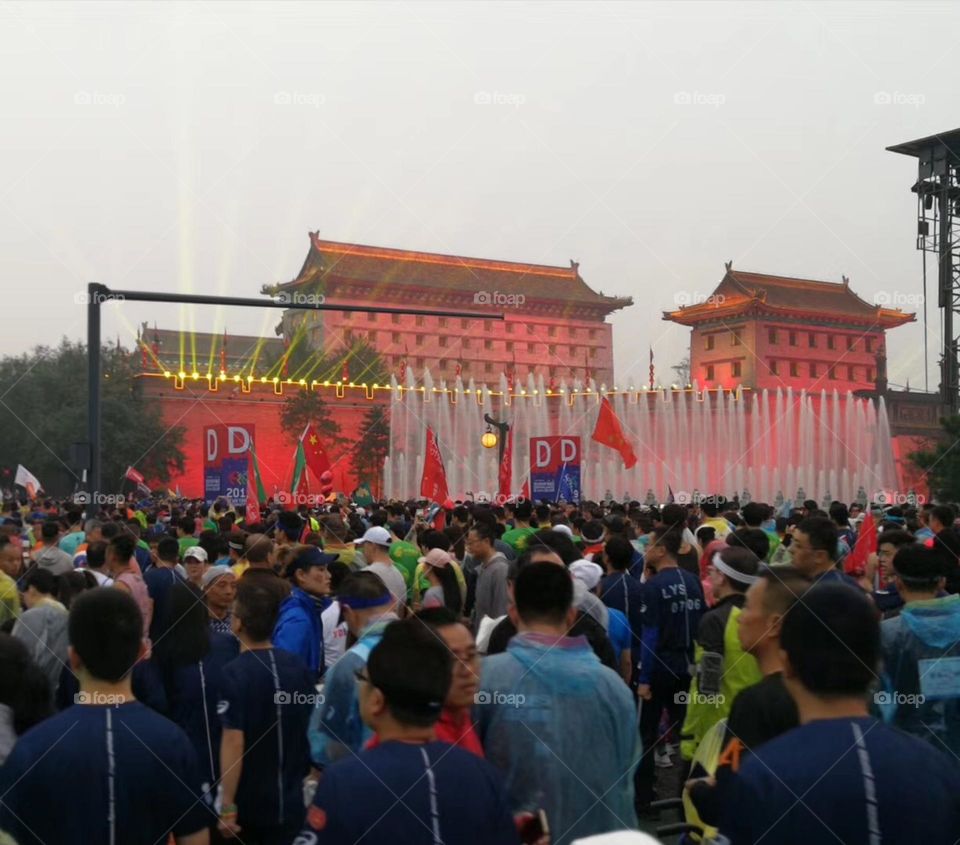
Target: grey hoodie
point(43, 630)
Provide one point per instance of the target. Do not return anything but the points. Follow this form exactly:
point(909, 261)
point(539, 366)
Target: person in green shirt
point(186, 525)
point(518, 536)
point(10, 561)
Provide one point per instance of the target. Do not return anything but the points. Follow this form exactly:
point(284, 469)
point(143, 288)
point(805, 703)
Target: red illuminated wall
point(195, 409)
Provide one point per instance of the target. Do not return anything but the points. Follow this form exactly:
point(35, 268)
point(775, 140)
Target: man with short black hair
point(814, 551)
point(51, 557)
point(113, 742)
point(765, 710)
point(258, 565)
point(492, 598)
point(561, 726)
point(448, 794)
point(946, 541)
point(672, 606)
point(160, 580)
point(841, 776)
point(265, 704)
point(924, 637)
point(521, 532)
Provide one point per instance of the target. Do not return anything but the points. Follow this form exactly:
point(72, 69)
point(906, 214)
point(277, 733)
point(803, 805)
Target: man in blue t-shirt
point(160, 580)
point(672, 607)
point(266, 696)
point(109, 745)
point(409, 788)
point(841, 776)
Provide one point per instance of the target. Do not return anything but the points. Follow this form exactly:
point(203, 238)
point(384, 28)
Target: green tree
point(941, 462)
point(681, 371)
point(373, 446)
point(360, 363)
point(43, 411)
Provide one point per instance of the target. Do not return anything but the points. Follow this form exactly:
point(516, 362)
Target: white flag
point(27, 479)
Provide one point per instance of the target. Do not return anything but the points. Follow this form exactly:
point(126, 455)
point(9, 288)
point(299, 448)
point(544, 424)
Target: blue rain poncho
point(920, 681)
point(563, 730)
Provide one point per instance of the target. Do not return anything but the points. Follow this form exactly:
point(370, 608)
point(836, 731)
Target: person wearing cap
point(401, 692)
point(337, 731)
point(926, 633)
point(618, 627)
point(444, 588)
point(299, 627)
point(196, 563)
point(375, 545)
point(219, 586)
point(723, 667)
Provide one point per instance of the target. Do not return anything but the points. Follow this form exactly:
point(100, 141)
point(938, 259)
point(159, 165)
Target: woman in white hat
point(444, 588)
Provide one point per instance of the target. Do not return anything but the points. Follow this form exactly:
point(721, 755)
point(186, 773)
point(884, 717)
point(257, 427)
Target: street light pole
point(503, 428)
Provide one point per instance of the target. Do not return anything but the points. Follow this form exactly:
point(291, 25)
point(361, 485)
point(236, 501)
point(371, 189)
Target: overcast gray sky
point(192, 146)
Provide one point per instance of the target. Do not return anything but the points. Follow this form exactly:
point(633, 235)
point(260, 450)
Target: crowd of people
point(542, 673)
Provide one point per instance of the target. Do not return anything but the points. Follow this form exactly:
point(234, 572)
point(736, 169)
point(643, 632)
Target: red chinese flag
point(433, 482)
point(855, 563)
point(252, 515)
point(317, 461)
point(609, 432)
point(505, 477)
point(132, 475)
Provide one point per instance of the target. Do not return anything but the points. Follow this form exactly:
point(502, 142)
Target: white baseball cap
point(587, 571)
point(196, 552)
point(378, 534)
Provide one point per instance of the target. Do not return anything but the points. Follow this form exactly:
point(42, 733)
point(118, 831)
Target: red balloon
point(326, 489)
point(448, 505)
point(326, 478)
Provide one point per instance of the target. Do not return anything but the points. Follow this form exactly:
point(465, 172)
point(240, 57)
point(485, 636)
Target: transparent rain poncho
point(563, 729)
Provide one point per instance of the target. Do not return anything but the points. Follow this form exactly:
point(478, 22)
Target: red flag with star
point(317, 461)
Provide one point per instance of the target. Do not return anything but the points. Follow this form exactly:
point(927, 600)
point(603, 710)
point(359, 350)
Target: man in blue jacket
point(299, 628)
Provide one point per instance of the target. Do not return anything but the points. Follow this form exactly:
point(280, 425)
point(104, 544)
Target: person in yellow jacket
point(723, 666)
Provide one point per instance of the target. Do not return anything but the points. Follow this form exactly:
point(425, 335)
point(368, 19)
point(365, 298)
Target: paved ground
point(668, 785)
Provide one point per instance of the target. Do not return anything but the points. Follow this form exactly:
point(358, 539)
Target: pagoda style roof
point(334, 263)
point(742, 293)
